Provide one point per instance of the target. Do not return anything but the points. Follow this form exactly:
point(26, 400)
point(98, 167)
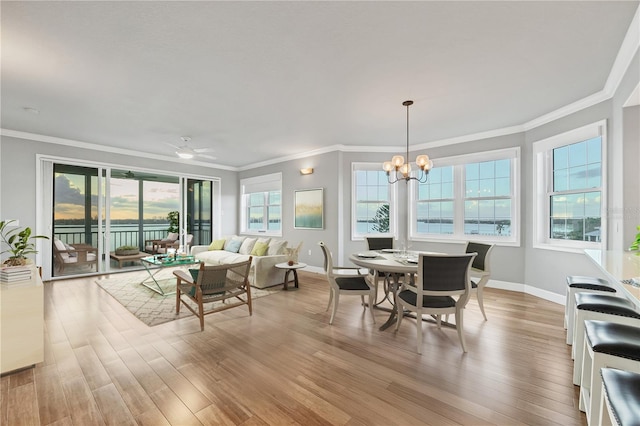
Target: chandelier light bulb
point(422, 160)
point(405, 169)
point(387, 166)
point(397, 160)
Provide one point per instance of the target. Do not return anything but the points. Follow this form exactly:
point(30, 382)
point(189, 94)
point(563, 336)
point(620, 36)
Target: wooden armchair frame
point(214, 284)
point(82, 257)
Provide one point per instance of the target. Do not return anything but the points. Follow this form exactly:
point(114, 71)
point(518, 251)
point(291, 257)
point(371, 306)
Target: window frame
point(393, 215)
point(260, 184)
point(458, 163)
point(543, 187)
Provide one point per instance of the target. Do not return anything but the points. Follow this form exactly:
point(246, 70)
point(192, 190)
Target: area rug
point(150, 307)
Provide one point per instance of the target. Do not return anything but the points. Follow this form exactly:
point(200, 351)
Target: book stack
point(16, 276)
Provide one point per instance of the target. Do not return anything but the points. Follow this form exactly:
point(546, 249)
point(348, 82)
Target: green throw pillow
point(194, 275)
point(260, 249)
point(217, 245)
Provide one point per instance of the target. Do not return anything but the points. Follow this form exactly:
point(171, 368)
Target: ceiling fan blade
point(210, 157)
point(203, 150)
point(172, 145)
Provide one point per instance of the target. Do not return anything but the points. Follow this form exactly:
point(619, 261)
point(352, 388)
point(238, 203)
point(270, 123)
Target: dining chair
point(347, 281)
point(442, 287)
point(380, 243)
point(213, 284)
point(480, 270)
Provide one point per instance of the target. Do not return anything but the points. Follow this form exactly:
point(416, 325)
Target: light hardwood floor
point(287, 365)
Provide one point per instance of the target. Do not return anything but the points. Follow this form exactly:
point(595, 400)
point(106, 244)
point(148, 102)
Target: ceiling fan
point(186, 151)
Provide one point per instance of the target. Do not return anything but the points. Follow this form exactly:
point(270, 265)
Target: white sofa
point(263, 272)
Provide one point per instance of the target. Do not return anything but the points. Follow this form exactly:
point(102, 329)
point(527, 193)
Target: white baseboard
point(527, 289)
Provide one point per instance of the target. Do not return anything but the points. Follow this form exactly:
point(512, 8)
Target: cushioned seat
point(591, 306)
point(621, 393)
point(606, 344)
point(580, 284)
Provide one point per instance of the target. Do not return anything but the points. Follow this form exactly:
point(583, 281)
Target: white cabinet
point(21, 326)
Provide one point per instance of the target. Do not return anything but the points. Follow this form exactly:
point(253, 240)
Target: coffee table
point(153, 265)
point(289, 268)
point(127, 258)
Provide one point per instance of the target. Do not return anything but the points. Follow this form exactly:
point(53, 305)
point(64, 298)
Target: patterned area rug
point(150, 307)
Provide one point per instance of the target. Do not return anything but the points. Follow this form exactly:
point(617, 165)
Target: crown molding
point(95, 147)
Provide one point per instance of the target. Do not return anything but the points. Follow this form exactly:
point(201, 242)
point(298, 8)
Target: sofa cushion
point(260, 249)
point(247, 245)
point(276, 247)
point(234, 244)
point(217, 244)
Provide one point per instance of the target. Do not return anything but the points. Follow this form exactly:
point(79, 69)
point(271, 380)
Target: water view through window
point(139, 208)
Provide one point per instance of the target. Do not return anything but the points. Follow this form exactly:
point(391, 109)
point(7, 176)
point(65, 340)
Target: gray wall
point(542, 271)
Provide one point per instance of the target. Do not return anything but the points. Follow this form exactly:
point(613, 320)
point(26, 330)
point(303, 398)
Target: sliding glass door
point(76, 230)
point(96, 210)
point(199, 196)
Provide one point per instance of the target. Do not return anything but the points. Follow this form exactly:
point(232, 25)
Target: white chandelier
point(402, 169)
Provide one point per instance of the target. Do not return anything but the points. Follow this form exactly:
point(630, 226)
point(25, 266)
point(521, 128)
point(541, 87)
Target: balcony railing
point(125, 237)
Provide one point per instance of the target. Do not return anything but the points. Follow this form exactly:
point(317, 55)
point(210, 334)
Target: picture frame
point(308, 208)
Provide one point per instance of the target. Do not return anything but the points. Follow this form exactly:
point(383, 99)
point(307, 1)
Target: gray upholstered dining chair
point(442, 287)
point(480, 270)
point(380, 243)
point(350, 283)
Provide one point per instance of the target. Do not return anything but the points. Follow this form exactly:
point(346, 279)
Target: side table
point(289, 268)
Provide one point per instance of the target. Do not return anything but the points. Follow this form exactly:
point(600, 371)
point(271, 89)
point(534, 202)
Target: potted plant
point(20, 243)
point(635, 246)
point(127, 250)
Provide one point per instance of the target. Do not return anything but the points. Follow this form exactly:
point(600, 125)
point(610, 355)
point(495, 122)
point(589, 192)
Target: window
point(468, 197)
point(435, 203)
point(487, 201)
point(261, 205)
point(373, 210)
point(570, 189)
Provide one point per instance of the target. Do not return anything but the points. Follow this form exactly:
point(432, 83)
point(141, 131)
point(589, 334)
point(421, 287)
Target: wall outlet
point(309, 252)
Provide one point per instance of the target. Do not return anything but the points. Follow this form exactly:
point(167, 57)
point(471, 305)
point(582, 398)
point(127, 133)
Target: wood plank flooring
point(287, 365)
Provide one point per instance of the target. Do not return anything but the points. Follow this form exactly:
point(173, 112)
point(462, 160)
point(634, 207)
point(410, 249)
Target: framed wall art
point(309, 208)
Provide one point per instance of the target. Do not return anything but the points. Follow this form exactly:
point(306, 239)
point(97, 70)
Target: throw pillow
point(247, 245)
point(264, 240)
point(233, 245)
point(217, 245)
point(276, 247)
point(259, 249)
point(194, 275)
point(72, 251)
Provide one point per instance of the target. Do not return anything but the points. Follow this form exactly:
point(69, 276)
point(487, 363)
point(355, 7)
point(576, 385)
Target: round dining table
point(395, 263)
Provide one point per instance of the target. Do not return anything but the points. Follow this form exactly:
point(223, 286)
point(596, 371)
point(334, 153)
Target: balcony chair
point(213, 284)
point(350, 283)
point(161, 246)
point(75, 255)
point(441, 277)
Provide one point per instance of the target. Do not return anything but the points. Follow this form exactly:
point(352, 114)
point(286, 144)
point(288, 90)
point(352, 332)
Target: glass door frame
point(44, 210)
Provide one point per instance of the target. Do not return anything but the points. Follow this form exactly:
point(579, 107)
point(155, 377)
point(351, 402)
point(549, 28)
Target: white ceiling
point(257, 81)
